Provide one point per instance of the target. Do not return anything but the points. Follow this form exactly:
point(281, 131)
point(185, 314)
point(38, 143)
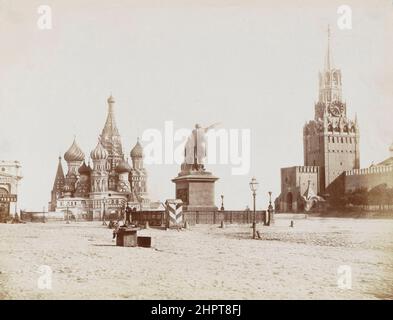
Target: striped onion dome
point(74, 153)
point(99, 153)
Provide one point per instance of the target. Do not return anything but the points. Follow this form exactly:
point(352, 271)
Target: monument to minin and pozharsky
point(195, 185)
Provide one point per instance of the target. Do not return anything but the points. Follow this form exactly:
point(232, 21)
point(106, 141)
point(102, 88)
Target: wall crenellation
point(370, 170)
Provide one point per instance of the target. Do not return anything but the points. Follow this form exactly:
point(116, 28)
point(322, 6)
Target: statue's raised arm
point(212, 126)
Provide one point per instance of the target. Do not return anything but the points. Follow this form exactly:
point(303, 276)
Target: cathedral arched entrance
point(4, 205)
point(289, 201)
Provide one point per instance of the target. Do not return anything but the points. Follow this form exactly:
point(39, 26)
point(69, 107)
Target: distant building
point(9, 180)
point(89, 191)
point(295, 183)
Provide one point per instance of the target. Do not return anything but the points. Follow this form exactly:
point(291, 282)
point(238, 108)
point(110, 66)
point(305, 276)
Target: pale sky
point(246, 64)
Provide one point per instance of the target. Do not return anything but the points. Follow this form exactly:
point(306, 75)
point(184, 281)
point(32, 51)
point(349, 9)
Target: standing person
point(116, 230)
point(128, 215)
point(123, 209)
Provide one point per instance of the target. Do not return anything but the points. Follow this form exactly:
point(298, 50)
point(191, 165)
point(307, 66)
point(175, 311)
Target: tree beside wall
point(380, 195)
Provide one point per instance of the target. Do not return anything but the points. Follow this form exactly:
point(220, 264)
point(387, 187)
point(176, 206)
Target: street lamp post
point(254, 186)
point(89, 210)
point(222, 203)
point(103, 213)
point(67, 218)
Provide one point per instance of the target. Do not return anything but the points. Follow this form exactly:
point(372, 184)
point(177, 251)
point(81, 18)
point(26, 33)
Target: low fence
point(155, 218)
point(290, 216)
point(158, 218)
point(215, 217)
point(31, 216)
point(41, 217)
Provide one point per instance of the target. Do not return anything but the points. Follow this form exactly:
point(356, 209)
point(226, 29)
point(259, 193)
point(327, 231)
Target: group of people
point(127, 221)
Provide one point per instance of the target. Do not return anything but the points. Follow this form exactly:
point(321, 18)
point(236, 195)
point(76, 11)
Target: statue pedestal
point(196, 190)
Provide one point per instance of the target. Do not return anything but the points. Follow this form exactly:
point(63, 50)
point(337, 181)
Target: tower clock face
point(336, 108)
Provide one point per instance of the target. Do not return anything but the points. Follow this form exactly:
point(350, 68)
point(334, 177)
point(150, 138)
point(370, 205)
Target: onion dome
point(84, 169)
point(74, 153)
point(123, 167)
point(137, 151)
point(99, 153)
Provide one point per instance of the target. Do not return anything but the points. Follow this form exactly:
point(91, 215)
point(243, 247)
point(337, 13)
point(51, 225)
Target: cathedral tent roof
point(110, 127)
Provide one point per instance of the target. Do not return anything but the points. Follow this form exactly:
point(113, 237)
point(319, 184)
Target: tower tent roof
point(59, 179)
point(110, 137)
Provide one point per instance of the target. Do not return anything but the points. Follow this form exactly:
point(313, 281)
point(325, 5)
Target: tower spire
point(328, 63)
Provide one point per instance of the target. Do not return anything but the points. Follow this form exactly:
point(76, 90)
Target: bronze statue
point(195, 148)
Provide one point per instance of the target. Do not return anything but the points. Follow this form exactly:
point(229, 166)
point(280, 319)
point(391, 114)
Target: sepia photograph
point(199, 150)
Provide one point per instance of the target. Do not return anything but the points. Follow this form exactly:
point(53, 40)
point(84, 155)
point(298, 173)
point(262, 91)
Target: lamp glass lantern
point(254, 184)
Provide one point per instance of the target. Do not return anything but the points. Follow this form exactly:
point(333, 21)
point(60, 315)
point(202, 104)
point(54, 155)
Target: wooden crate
point(127, 237)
